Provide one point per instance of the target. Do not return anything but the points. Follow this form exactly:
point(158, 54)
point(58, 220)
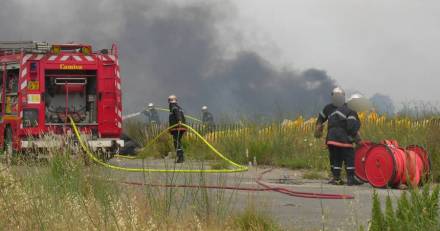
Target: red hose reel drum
point(386, 164)
point(414, 169)
point(425, 159)
point(380, 166)
point(359, 159)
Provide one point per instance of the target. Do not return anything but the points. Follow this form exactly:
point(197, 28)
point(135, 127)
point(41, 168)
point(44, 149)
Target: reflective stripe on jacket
point(343, 125)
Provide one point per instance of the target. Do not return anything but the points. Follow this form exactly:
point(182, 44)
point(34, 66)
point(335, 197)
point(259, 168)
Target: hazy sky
point(387, 46)
point(249, 52)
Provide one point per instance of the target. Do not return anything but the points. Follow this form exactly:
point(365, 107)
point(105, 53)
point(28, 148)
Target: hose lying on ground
point(266, 187)
point(239, 168)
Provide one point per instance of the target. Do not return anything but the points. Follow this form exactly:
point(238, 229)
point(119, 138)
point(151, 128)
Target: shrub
point(417, 212)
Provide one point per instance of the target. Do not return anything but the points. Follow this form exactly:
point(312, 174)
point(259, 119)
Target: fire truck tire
point(8, 145)
point(109, 155)
point(103, 154)
point(114, 151)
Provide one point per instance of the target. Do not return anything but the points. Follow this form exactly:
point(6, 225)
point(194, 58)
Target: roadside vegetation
point(413, 210)
point(290, 143)
point(64, 194)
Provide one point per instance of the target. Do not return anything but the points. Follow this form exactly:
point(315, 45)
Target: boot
point(336, 181)
point(351, 179)
point(336, 178)
point(180, 157)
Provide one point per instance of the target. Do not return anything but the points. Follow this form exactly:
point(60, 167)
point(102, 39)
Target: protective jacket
point(207, 118)
point(152, 116)
point(343, 125)
point(176, 116)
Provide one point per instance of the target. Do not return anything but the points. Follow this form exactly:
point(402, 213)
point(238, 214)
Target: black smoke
point(169, 48)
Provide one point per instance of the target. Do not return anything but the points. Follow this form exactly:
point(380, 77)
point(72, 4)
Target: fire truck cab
point(42, 85)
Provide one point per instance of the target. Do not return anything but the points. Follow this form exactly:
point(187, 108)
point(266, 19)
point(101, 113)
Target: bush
point(417, 212)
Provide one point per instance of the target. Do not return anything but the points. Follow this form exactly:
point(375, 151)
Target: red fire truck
point(43, 84)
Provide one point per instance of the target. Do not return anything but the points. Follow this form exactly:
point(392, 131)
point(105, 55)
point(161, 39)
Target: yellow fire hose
point(238, 167)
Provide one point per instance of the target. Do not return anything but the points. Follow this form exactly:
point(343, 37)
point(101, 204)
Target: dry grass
point(64, 194)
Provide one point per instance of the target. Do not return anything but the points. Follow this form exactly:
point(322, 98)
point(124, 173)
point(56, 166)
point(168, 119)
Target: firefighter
point(151, 114)
point(176, 116)
point(343, 127)
point(207, 119)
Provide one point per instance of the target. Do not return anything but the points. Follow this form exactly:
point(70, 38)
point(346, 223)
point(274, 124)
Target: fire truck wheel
point(114, 151)
point(108, 154)
point(8, 145)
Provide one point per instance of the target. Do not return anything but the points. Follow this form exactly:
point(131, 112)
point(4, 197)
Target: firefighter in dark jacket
point(207, 119)
point(176, 117)
point(151, 114)
point(343, 128)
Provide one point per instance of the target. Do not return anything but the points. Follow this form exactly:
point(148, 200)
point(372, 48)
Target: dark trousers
point(338, 156)
point(177, 141)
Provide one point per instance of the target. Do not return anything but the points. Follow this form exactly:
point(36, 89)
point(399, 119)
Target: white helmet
point(338, 97)
point(359, 103)
point(172, 99)
point(205, 108)
point(150, 105)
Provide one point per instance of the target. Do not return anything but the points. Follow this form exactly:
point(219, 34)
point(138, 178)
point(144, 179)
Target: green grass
point(295, 147)
point(416, 210)
point(253, 220)
point(64, 194)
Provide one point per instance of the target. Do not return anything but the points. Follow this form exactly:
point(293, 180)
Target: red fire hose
point(196, 186)
point(300, 194)
point(259, 181)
